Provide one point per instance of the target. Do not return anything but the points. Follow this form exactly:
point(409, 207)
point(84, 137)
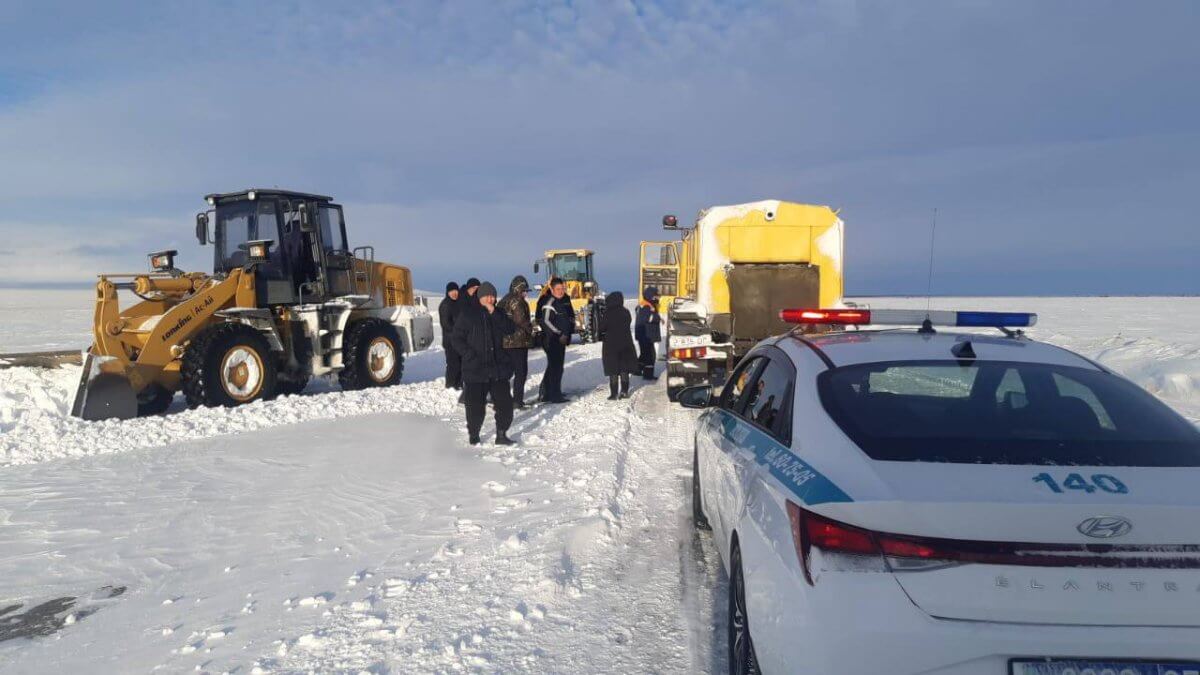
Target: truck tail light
point(685, 353)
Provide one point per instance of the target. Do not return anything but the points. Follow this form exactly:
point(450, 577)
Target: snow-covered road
point(346, 532)
point(358, 531)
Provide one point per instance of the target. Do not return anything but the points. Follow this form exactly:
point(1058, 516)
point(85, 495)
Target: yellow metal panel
point(392, 284)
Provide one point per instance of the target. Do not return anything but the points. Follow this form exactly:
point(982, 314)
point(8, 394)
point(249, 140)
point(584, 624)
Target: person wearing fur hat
point(517, 344)
point(617, 354)
point(447, 311)
point(648, 330)
point(479, 334)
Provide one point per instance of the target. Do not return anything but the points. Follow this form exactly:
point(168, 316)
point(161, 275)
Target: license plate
point(1091, 667)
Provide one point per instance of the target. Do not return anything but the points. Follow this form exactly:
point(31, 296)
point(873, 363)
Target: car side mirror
point(202, 228)
point(699, 396)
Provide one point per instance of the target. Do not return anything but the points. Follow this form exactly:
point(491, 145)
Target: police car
point(921, 501)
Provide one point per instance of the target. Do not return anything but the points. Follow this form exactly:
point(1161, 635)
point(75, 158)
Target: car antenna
point(927, 325)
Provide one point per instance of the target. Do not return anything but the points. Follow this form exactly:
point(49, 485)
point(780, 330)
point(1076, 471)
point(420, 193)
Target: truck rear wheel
point(373, 355)
point(226, 365)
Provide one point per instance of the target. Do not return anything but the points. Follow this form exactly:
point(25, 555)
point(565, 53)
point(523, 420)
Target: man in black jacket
point(557, 320)
point(479, 337)
point(447, 311)
point(466, 301)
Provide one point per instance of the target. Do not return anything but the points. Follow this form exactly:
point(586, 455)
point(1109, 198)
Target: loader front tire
point(226, 365)
point(154, 400)
point(373, 355)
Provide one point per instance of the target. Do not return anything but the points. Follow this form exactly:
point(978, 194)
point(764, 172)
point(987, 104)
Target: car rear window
point(1004, 413)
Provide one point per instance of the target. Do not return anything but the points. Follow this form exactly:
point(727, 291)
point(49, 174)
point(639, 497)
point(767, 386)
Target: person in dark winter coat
point(617, 354)
point(466, 296)
point(466, 299)
point(447, 311)
point(557, 320)
point(648, 330)
point(479, 336)
point(517, 344)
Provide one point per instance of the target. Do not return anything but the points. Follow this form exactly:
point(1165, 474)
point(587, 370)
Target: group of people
point(487, 342)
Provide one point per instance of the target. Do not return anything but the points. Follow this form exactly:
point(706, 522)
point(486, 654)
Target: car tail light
point(811, 531)
point(685, 353)
point(905, 553)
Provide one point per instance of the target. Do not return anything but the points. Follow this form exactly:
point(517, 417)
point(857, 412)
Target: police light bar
point(908, 317)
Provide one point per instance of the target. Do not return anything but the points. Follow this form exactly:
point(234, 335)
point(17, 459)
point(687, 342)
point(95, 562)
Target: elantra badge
point(1105, 527)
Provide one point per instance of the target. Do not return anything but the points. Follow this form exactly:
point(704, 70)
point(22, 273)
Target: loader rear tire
point(373, 355)
point(226, 365)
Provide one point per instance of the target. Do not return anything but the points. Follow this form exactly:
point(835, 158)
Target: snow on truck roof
point(853, 347)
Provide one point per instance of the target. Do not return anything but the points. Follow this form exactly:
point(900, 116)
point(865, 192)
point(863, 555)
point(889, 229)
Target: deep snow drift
point(345, 532)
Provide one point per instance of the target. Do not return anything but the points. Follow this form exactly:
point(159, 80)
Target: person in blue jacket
point(647, 330)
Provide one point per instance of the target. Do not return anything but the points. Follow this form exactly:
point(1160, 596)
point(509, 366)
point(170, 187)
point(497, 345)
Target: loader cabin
point(295, 243)
point(573, 266)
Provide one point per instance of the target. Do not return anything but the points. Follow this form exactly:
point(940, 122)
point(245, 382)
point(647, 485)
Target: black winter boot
point(474, 440)
point(503, 439)
point(612, 387)
point(625, 386)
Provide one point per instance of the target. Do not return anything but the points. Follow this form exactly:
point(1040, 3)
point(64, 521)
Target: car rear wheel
point(742, 660)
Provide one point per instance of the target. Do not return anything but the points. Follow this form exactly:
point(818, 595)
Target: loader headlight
point(258, 251)
point(163, 261)
point(251, 195)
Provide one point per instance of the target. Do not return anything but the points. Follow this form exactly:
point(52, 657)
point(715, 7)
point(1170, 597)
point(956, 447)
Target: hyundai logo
point(1105, 527)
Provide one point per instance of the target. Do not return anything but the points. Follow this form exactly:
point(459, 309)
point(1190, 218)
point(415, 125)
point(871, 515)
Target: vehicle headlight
point(162, 261)
point(258, 251)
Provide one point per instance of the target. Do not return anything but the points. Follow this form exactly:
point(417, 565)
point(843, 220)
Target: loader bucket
point(103, 396)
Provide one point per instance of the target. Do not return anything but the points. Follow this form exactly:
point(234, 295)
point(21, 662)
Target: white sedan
point(917, 501)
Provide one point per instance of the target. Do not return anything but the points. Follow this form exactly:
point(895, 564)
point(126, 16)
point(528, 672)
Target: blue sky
point(1060, 141)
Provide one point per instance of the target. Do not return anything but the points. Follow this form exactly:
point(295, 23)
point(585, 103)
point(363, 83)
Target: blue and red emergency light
point(908, 317)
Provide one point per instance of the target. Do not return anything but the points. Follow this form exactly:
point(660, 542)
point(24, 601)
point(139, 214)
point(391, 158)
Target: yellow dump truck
point(574, 267)
point(723, 283)
point(288, 299)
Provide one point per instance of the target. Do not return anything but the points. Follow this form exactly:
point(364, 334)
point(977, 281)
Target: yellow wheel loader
point(288, 299)
point(724, 281)
point(574, 267)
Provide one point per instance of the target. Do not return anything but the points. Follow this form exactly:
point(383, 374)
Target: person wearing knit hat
point(647, 330)
point(466, 299)
point(518, 343)
point(447, 311)
point(478, 336)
